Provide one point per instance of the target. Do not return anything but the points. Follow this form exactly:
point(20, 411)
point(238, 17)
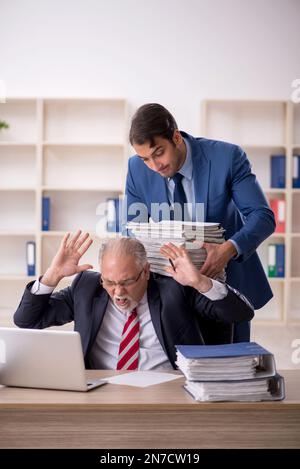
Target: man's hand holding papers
point(185, 271)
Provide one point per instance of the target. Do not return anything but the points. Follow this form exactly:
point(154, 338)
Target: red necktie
point(129, 346)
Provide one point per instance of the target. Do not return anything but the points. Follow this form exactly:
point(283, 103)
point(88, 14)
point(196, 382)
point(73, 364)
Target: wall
point(169, 51)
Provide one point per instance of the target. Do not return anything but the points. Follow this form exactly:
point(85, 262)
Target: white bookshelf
point(72, 150)
point(262, 129)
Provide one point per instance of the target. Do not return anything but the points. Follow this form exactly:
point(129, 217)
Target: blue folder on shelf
point(296, 171)
point(30, 258)
point(114, 208)
point(278, 171)
point(45, 213)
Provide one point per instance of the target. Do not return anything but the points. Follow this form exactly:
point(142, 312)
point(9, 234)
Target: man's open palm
point(72, 248)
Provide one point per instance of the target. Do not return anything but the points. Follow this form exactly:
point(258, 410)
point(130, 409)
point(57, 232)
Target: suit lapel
point(98, 309)
point(154, 303)
point(201, 173)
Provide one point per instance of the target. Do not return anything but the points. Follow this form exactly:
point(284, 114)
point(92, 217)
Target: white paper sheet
point(142, 379)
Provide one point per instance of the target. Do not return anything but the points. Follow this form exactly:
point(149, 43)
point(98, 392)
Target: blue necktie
point(179, 195)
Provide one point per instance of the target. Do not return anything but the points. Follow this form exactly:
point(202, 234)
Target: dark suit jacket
point(180, 315)
point(223, 181)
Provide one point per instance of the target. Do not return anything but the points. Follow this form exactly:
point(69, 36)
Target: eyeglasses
point(124, 283)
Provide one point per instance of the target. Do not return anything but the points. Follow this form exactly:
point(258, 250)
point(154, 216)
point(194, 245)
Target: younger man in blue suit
point(171, 166)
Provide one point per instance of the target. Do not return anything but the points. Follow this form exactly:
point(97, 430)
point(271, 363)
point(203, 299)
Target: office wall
point(169, 51)
point(172, 51)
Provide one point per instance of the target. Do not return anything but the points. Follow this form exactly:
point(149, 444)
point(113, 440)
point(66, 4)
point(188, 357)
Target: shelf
point(8, 143)
point(295, 264)
point(17, 210)
point(18, 278)
point(11, 290)
point(93, 235)
point(296, 124)
point(262, 129)
point(71, 150)
point(274, 190)
point(21, 116)
point(266, 322)
point(84, 99)
point(276, 279)
point(50, 246)
point(22, 157)
point(13, 256)
point(260, 158)
point(277, 147)
point(249, 123)
point(17, 189)
point(65, 207)
point(273, 310)
point(256, 102)
point(296, 211)
point(86, 120)
point(110, 191)
point(17, 233)
point(294, 303)
point(278, 235)
point(84, 144)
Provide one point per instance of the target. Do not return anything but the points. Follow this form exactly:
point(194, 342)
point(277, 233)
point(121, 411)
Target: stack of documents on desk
point(235, 372)
point(191, 235)
point(261, 389)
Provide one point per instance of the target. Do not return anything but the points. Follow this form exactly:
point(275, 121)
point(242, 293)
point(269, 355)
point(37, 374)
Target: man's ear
point(177, 137)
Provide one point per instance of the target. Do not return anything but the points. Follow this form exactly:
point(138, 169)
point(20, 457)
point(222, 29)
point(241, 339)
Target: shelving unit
point(262, 129)
point(71, 150)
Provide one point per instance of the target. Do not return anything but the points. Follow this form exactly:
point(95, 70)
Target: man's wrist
point(50, 278)
point(203, 284)
point(230, 249)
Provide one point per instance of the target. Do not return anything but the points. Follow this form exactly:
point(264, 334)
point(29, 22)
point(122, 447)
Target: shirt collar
point(144, 299)
point(187, 168)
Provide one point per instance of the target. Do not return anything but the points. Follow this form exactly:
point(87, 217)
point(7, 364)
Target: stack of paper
point(233, 372)
point(191, 235)
point(215, 369)
point(262, 389)
point(180, 230)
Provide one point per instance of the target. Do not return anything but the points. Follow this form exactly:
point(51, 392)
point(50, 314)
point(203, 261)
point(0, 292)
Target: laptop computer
point(47, 359)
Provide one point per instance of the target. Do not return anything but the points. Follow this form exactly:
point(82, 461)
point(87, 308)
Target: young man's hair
point(150, 121)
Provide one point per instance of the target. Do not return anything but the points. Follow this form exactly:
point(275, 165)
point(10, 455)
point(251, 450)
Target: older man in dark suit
point(127, 317)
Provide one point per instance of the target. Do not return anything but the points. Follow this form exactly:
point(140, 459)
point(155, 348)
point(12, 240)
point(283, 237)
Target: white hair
point(124, 247)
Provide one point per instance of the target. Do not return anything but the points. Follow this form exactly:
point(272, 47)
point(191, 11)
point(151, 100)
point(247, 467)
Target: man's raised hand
point(66, 260)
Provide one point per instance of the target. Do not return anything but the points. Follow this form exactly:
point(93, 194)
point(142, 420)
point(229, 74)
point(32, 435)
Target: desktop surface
point(160, 416)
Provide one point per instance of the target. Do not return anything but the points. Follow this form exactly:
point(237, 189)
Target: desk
point(161, 416)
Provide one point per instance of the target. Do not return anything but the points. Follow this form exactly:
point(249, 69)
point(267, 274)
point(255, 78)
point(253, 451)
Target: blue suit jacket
point(231, 195)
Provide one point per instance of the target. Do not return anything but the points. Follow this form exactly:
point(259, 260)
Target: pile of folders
point(243, 371)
